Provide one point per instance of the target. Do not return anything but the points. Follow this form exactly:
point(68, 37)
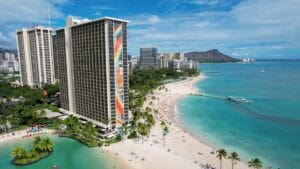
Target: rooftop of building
point(72, 21)
point(34, 28)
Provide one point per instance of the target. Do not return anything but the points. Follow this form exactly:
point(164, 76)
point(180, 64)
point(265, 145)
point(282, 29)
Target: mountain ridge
point(210, 56)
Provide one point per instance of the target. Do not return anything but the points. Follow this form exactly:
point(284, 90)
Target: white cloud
point(15, 14)
point(153, 19)
point(144, 20)
point(98, 13)
point(254, 21)
point(19, 11)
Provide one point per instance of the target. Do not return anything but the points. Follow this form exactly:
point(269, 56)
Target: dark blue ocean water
point(268, 128)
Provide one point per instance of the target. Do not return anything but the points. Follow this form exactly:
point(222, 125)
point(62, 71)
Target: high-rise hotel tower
point(35, 56)
point(92, 70)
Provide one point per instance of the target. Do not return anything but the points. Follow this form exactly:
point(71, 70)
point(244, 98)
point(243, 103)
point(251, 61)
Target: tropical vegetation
point(221, 153)
point(41, 148)
point(143, 82)
point(165, 130)
point(255, 163)
point(23, 106)
point(234, 157)
point(85, 133)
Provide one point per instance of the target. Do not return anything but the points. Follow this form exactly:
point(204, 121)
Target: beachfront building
point(164, 58)
point(148, 57)
point(55, 57)
point(180, 65)
point(35, 56)
point(93, 72)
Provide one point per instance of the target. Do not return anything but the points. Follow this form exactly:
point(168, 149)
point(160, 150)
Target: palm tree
point(90, 131)
point(142, 130)
point(3, 123)
point(18, 153)
point(46, 145)
point(162, 123)
point(234, 158)
point(165, 132)
point(36, 143)
point(221, 153)
point(255, 163)
point(73, 124)
point(150, 119)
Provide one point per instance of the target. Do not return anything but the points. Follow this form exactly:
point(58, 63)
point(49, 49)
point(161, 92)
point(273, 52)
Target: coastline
point(181, 149)
point(21, 134)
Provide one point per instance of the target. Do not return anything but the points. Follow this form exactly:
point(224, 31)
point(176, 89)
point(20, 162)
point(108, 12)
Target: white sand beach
point(21, 134)
point(181, 150)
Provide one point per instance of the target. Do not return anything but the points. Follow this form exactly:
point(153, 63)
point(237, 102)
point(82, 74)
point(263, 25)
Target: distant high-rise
point(148, 57)
point(92, 70)
point(35, 56)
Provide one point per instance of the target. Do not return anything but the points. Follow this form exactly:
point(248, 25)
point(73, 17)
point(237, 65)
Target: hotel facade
point(148, 57)
point(35, 56)
point(92, 70)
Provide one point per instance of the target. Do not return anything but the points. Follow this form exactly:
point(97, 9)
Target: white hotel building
point(35, 56)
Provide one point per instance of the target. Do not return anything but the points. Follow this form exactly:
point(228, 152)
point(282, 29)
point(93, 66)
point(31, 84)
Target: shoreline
point(21, 134)
point(181, 148)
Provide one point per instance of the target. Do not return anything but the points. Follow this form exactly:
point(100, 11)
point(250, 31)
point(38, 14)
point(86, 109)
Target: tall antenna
point(29, 17)
point(49, 17)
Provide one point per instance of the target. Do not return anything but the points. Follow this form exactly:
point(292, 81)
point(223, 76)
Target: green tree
point(221, 153)
point(51, 88)
point(165, 132)
point(255, 163)
point(46, 145)
point(142, 130)
point(150, 119)
point(18, 153)
point(57, 123)
point(234, 157)
point(73, 124)
point(90, 131)
point(162, 123)
point(36, 144)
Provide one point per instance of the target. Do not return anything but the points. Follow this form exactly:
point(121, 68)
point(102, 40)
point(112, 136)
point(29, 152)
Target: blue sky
point(239, 28)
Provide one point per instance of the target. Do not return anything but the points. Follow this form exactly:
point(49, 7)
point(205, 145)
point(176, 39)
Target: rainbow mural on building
point(118, 61)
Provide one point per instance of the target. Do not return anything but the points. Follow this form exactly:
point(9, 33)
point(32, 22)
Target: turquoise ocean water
point(68, 154)
point(268, 128)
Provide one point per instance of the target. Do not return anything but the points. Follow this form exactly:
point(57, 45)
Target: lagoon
point(68, 154)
